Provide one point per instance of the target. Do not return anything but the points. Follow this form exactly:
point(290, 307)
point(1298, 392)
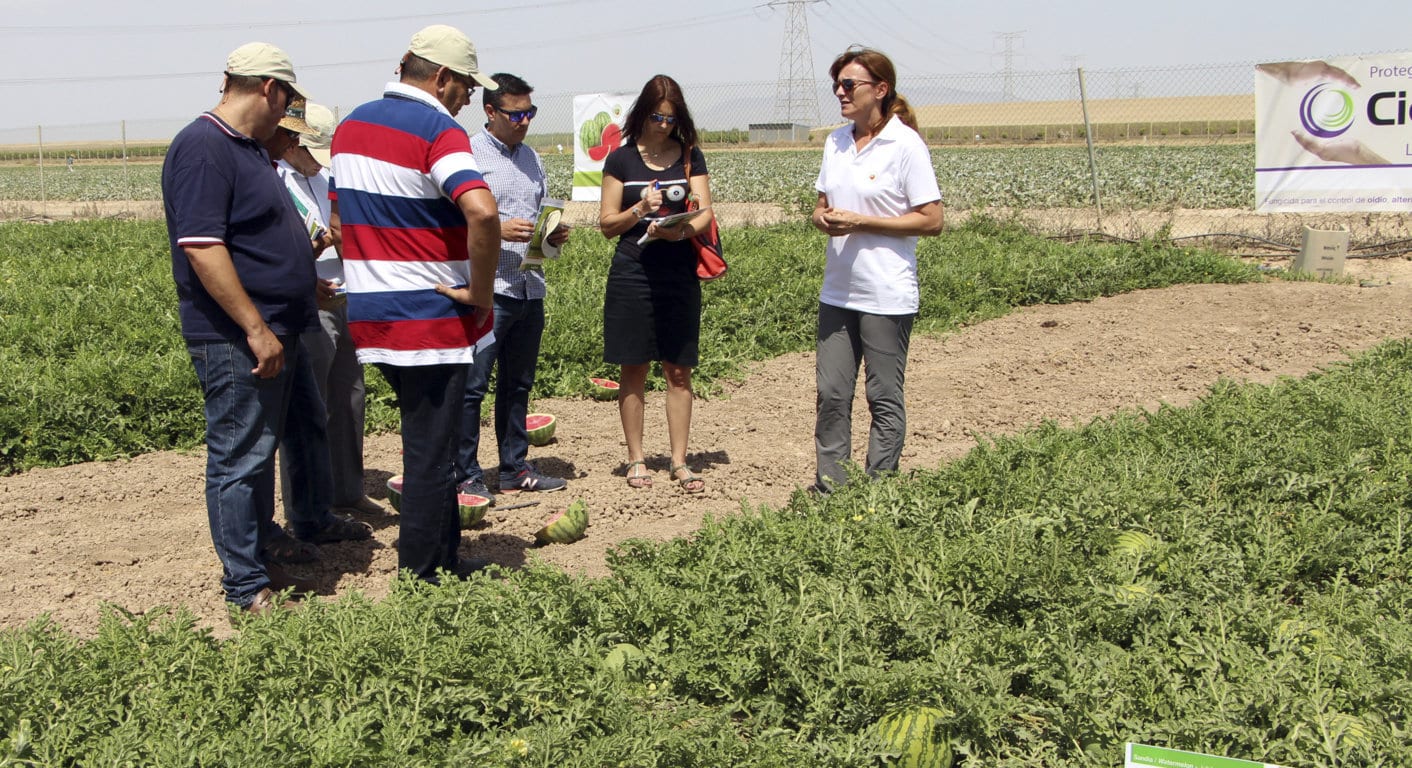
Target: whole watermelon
point(915, 735)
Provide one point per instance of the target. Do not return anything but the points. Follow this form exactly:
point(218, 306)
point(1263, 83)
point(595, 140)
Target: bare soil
point(133, 533)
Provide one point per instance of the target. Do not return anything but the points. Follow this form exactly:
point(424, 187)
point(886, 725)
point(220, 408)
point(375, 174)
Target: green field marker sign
point(1143, 756)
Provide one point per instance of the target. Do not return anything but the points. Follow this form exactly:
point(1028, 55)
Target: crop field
point(1205, 176)
point(1228, 577)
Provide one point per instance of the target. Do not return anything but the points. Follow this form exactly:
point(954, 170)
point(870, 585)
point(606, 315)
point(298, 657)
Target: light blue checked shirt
point(516, 178)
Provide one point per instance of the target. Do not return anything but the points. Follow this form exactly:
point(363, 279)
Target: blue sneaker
point(531, 480)
point(476, 487)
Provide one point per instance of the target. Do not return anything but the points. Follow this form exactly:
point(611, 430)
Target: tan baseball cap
point(321, 122)
point(263, 60)
point(449, 47)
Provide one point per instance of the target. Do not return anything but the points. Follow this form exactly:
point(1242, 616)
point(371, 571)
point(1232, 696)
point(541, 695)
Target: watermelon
point(912, 734)
point(625, 660)
point(603, 389)
point(540, 427)
point(394, 492)
point(471, 508)
point(566, 527)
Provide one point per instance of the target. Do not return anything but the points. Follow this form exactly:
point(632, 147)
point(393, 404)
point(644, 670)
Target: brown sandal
point(638, 481)
point(692, 483)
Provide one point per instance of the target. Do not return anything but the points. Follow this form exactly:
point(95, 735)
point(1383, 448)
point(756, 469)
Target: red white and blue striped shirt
point(399, 164)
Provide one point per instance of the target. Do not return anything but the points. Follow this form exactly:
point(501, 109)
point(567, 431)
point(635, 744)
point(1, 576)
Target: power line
point(515, 46)
point(321, 22)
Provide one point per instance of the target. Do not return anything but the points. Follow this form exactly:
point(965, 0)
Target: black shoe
point(340, 529)
point(476, 487)
point(531, 480)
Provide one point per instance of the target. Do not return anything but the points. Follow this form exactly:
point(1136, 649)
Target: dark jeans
point(430, 399)
point(846, 338)
point(245, 421)
point(339, 376)
point(519, 325)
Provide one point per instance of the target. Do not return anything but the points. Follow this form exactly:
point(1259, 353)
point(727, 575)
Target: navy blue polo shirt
point(218, 187)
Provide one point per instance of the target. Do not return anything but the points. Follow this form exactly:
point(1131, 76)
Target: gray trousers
point(846, 338)
point(340, 379)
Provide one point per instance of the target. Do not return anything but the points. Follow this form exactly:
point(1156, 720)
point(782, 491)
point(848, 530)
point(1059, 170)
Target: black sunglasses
point(657, 117)
point(848, 84)
point(518, 115)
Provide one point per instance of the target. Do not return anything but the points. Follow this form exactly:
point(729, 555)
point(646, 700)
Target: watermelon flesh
point(604, 389)
point(540, 428)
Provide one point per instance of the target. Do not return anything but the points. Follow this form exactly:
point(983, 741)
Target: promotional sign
point(598, 130)
point(1334, 135)
point(1143, 756)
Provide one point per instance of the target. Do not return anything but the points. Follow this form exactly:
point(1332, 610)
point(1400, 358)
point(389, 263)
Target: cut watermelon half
point(603, 389)
point(471, 508)
point(540, 427)
point(394, 492)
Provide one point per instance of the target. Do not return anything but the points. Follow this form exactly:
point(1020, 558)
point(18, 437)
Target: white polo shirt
point(869, 272)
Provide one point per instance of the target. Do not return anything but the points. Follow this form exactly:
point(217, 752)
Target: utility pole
point(1008, 70)
point(796, 96)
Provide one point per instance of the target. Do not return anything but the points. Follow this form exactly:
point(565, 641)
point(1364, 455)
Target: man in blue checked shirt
point(516, 178)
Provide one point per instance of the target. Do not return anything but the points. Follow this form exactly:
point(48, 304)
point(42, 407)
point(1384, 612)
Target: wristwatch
point(636, 212)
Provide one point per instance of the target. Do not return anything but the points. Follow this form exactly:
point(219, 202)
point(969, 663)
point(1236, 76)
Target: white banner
point(1334, 135)
point(598, 130)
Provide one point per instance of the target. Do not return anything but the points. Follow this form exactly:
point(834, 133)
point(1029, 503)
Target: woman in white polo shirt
point(877, 195)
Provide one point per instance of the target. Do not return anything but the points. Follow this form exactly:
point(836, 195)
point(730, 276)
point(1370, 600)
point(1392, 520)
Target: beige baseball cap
point(449, 47)
point(321, 121)
point(263, 60)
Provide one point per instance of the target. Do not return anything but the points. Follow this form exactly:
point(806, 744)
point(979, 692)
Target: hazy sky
point(67, 63)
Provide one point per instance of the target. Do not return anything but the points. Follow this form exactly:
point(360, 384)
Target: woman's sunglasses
point(519, 115)
point(661, 118)
point(848, 84)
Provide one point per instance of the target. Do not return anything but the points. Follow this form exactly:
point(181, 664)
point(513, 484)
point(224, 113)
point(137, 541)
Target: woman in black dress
point(652, 307)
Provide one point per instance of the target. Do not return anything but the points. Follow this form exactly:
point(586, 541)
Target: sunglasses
point(661, 118)
point(848, 84)
point(519, 115)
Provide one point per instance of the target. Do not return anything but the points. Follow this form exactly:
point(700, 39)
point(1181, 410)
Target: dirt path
point(134, 532)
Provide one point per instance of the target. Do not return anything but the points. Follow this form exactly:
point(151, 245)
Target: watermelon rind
point(471, 509)
point(625, 660)
point(603, 389)
point(540, 436)
point(566, 527)
point(914, 736)
point(394, 492)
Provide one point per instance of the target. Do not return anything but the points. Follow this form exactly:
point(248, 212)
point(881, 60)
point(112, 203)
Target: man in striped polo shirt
point(420, 242)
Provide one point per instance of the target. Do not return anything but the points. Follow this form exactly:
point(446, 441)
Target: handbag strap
point(691, 203)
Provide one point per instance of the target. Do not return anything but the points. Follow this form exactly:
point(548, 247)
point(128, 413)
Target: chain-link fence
point(1174, 150)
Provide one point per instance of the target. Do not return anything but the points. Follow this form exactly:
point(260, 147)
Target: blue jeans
point(430, 529)
point(519, 325)
point(245, 421)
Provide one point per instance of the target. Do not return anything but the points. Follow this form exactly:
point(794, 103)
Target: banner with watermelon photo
point(598, 130)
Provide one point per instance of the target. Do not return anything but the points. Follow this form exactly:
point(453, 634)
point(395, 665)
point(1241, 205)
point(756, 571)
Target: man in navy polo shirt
point(244, 273)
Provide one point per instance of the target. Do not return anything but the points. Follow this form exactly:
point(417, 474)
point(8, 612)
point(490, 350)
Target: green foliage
point(1229, 578)
point(93, 366)
point(1202, 176)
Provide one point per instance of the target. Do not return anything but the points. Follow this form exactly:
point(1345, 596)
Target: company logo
point(1326, 112)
